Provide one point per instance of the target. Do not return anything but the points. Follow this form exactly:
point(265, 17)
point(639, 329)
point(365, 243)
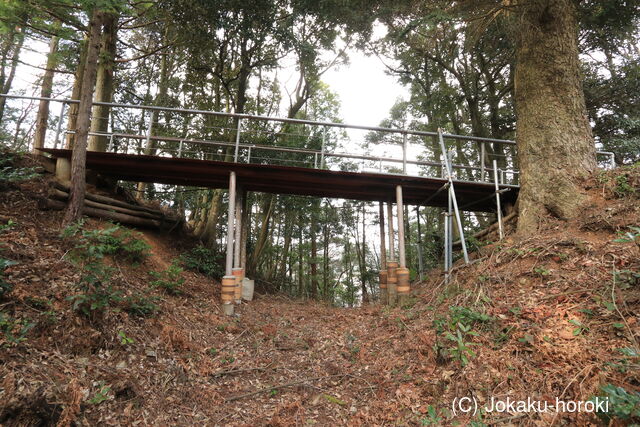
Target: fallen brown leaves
point(284, 362)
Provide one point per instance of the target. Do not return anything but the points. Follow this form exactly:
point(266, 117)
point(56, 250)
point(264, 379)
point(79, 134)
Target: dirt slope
point(547, 321)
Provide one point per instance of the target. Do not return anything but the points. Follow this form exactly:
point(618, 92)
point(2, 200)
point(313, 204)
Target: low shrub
point(203, 260)
point(170, 279)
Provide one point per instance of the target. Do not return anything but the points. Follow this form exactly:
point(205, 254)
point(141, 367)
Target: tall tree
point(79, 155)
point(551, 113)
point(46, 90)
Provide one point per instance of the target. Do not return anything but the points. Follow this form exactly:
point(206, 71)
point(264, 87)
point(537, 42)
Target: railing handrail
point(321, 153)
point(268, 118)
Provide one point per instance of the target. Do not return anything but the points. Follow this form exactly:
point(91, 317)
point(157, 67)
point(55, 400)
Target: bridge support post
point(402, 273)
point(238, 270)
point(227, 305)
point(452, 193)
point(392, 265)
point(383, 258)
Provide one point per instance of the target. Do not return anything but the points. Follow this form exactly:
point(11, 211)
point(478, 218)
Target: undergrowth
point(170, 279)
point(95, 292)
point(203, 260)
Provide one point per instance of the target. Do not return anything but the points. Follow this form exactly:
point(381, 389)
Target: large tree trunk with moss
point(79, 155)
point(555, 146)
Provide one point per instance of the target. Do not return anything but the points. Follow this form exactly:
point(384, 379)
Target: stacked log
point(228, 294)
point(392, 283)
point(104, 207)
point(383, 286)
point(403, 286)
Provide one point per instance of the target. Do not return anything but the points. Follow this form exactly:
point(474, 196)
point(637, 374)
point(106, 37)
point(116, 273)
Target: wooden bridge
point(292, 156)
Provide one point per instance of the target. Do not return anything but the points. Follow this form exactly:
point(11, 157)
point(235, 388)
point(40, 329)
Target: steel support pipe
point(400, 212)
point(392, 251)
point(230, 223)
point(237, 144)
point(383, 257)
point(383, 245)
point(238, 228)
point(498, 207)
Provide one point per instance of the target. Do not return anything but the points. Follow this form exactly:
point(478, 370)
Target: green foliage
point(203, 260)
point(5, 287)
point(8, 226)
point(115, 241)
point(141, 305)
point(11, 174)
point(124, 339)
point(170, 279)
point(101, 395)
point(14, 331)
point(95, 291)
point(632, 236)
point(628, 361)
point(622, 187)
point(460, 315)
point(623, 405)
point(457, 328)
point(474, 244)
point(613, 103)
point(542, 271)
point(460, 349)
point(627, 278)
point(432, 418)
point(580, 327)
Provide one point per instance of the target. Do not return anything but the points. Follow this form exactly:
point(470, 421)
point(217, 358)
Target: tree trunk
point(76, 92)
point(104, 84)
point(160, 101)
point(288, 234)
point(79, 155)
point(267, 210)
point(314, 253)
point(300, 258)
point(555, 145)
point(42, 118)
point(6, 80)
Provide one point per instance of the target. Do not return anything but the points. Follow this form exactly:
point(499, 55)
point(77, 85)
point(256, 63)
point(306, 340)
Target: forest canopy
point(481, 68)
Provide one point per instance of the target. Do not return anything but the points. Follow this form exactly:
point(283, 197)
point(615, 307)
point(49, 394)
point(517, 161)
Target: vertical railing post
point(498, 207)
point(237, 150)
point(180, 148)
point(482, 156)
point(59, 128)
point(110, 146)
point(324, 147)
point(149, 130)
point(249, 155)
point(315, 160)
point(613, 160)
point(404, 153)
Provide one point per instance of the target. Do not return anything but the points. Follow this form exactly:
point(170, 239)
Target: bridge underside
point(290, 180)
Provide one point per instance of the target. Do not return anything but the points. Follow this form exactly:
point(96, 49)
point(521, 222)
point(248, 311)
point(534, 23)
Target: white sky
point(367, 93)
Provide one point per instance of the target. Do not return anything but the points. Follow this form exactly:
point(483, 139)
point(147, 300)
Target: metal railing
point(240, 138)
